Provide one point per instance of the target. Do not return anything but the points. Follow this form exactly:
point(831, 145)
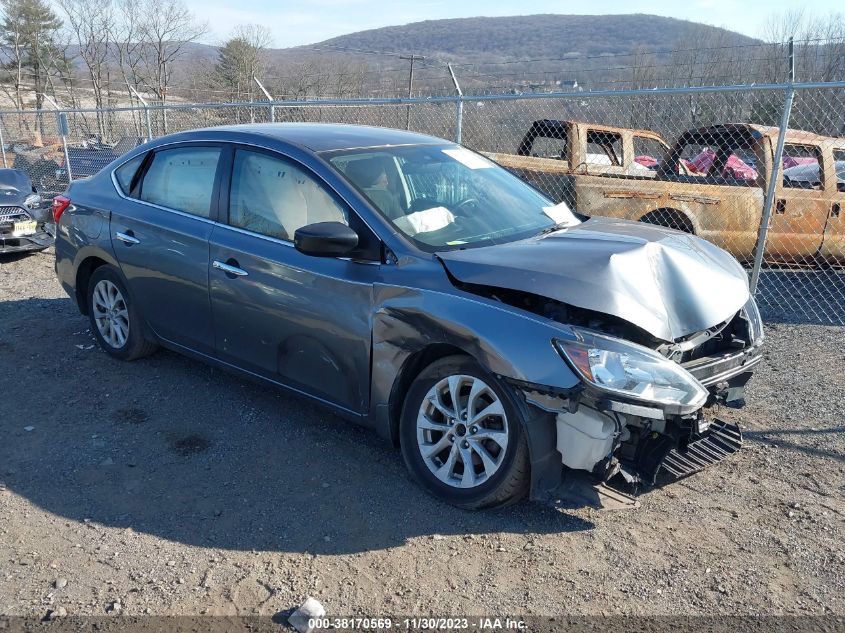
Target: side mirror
point(325, 239)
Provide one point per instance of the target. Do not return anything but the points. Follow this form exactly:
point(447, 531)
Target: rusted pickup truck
point(553, 153)
point(712, 182)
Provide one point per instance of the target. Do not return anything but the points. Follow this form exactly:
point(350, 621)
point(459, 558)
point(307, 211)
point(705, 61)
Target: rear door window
point(802, 167)
point(648, 152)
point(182, 179)
point(604, 148)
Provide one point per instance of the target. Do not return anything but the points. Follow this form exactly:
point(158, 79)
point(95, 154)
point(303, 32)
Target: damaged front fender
point(509, 343)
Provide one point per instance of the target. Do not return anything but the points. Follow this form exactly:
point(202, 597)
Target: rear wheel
point(115, 321)
point(462, 435)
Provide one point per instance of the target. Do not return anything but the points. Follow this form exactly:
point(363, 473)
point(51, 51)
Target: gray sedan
point(414, 286)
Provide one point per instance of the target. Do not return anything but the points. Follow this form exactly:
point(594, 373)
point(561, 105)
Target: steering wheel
point(465, 203)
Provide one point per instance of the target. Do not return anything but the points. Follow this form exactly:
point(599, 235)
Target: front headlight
point(631, 370)
point(755, 321)
point(32, 201)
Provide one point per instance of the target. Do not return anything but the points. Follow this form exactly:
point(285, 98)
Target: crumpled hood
point(10, 195)
point(668, 283)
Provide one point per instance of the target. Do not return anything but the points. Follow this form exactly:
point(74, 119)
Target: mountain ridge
point(524, 37)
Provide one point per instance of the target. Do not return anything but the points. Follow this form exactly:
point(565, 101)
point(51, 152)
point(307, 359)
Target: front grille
point(712, 370)
point(10, 215)
point(16, 212)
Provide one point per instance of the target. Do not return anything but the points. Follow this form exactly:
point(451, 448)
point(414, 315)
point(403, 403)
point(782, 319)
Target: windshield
point(446, 197)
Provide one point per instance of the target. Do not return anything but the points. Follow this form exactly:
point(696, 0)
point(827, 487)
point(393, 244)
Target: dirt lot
point(177, 489)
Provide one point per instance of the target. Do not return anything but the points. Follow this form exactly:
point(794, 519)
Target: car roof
point(325, 137)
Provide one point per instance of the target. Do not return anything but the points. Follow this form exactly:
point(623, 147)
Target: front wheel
point(115, 321)
point(462, 436)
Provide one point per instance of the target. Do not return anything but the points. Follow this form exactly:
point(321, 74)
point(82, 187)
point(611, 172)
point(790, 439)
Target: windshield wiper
point(556, 227)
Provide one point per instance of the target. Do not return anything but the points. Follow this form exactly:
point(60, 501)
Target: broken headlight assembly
point(618, 367)
point(755, 321)
point(32, 201)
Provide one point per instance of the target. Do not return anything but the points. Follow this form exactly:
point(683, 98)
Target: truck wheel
point(670, 218)
point(462, 436)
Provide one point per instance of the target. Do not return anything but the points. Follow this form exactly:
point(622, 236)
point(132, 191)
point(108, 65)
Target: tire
point(501, 479)
point(115, 321)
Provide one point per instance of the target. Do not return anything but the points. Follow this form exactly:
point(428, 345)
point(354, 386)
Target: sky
point(296, 22)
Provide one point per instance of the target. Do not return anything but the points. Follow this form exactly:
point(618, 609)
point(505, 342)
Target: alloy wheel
point(111, 313)
point(462, 431)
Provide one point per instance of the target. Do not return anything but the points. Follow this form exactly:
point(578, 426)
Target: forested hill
point(532, 36)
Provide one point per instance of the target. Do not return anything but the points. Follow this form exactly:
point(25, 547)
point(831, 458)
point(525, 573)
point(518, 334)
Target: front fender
point(508, 342)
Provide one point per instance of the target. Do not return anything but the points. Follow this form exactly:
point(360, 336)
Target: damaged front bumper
point(36, 242)
point(644, 443)
point(12, 241)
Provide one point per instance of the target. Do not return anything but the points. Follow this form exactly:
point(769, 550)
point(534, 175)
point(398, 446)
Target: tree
point(166, 27)
point(819, 45)
point(240, 59)
point(29, 32)
point(91, 23)
point(129, 47)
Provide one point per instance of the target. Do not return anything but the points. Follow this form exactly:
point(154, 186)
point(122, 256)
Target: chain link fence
point(757, 170)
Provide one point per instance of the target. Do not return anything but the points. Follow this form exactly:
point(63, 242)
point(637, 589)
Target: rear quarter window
point(126, 172)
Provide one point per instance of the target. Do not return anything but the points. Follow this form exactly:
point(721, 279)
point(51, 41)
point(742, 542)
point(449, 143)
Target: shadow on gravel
point(771, 437)
point(10, 258)
point(172, 448)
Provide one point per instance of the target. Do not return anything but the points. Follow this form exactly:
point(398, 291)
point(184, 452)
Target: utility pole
point(411, 58)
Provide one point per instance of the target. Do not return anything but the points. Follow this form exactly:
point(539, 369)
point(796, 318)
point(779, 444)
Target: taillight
point(60, 204)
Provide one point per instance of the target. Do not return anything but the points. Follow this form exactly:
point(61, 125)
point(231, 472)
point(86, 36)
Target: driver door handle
point(229, 269)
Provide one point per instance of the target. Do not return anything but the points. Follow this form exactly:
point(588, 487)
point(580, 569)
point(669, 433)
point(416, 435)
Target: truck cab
point(712, 182)
point(552, 152)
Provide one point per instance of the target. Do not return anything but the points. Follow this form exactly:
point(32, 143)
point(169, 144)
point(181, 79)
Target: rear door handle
point(230, 268)
point(127, 238)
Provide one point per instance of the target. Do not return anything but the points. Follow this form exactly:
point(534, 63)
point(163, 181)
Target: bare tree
point(166, 28)
point(91, 23)
point(127, 29)
point(819, 45)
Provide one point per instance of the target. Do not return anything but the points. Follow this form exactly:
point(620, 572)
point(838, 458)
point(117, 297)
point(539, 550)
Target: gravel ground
point(174, 488)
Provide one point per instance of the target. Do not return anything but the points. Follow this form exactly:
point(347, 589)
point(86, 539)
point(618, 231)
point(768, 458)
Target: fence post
point(62, 124)
point(459, 108)
point(3, 143)
point(269, 98)
point(146, 113)
point(774, 175)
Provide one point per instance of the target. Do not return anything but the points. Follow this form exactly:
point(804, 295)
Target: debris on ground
point(307, 611)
